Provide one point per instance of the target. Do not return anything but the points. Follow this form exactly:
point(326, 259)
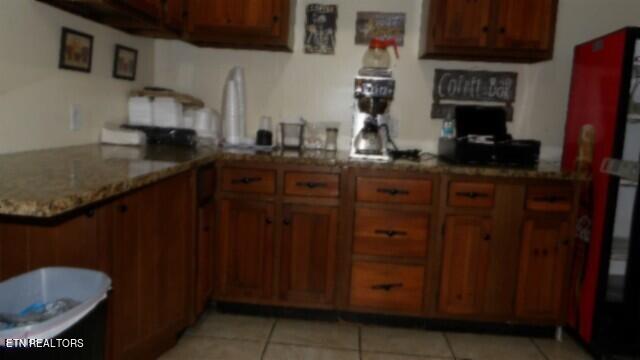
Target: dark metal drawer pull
point(391, 233)
point(550, 199)
point(246, 180)
point(387, 287)
point(472, 194)
point(311, 185)
point(393, 192)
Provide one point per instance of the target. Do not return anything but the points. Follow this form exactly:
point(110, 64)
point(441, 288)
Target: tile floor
point(239, 337)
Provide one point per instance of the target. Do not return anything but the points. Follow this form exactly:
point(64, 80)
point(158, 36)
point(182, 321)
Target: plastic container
point(85, 321)
point(377, 56)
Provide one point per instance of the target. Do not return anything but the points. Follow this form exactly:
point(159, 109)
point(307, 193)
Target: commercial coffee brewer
point(374, 90)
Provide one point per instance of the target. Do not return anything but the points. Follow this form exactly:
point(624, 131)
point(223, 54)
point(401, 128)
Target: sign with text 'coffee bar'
point(457, 87)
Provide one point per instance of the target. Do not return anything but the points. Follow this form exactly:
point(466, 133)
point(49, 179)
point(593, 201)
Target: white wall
point(320, 87)
point(35, 95)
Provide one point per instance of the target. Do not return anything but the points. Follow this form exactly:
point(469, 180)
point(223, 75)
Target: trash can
point(54, 313)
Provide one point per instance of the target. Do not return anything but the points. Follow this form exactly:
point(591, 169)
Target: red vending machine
point(605, 94)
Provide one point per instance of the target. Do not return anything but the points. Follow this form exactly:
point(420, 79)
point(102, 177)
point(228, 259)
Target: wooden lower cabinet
point(465, 264)
point(383, 286)
point(152, 250)
point(308, 254)
point(204, 255)
point(543, 269)
point(244, 249)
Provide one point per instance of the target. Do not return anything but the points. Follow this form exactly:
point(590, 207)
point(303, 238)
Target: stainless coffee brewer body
point(373, 94)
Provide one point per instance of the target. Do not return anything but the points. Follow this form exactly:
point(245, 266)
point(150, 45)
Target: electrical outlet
point(75, 118)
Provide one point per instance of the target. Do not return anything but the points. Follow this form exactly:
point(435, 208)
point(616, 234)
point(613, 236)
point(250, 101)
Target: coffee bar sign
point(462, 87)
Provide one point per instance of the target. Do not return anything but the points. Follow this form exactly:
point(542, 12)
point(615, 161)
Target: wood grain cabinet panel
point(151, 8)
point(244, 249)
point(391, 232)
point(308, 254)
point(543, 265)
point(461, 23)
point(393, 190)
point(526, 24)
point(549, 198)
point(465, 264)
point(471, 194)
point(391, 287)
point(312, 184)
point(490, 30)
point(240, 23)
point(249, 180)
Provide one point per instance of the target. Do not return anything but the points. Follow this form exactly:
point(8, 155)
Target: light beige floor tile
point(565, 350)
point(404, 341)
point(297, 352)
point(237, 327)
point(383, 356)
point(490, 347)
point(316, 333)
point(207, 348)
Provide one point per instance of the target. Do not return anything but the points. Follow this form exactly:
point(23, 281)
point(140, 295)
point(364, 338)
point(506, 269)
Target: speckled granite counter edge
point(66, 204)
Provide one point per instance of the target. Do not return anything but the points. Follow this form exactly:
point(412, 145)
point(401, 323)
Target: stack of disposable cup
point(233, 108)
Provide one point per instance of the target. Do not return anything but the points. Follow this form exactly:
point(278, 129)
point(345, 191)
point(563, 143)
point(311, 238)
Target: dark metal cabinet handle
point(268, 221)
point(387, 287)
point(393, 192)
point(286, 222)
point(391, 233)
point(90, 213)
point(246, 180)
point(123, 208)
point(311, 185)
point(487, 237)
point(276, 19)
point(206, 228)
point(472, 194)
point(502, 30)
point(485, 29)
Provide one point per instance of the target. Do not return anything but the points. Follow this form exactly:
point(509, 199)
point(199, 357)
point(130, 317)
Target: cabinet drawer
point(549, 198)
point(249, 180)
point(390, 233)
point(471, 194)
point(402, 191)
point(311, 184)
point(387, 286)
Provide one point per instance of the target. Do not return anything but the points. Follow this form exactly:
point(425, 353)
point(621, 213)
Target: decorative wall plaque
point(380, 25)
point(464, 87)
point(320, 29)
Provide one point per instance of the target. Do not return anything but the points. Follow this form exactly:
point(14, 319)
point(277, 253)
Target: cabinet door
point(526, 24)
point(308, 251)
point(134, 265)
point(460, 23)
point(543, 265)
point(151, 8)
point(244, 249)
point(465, 264)
point(240, 17)
point(174, 13)
point(204, 277)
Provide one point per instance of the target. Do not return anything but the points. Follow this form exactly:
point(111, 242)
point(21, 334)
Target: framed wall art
point(76, 50)
point(125, 62)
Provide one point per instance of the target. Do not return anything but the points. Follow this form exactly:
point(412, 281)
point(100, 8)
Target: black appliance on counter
point(482, 139)
point(166, 136)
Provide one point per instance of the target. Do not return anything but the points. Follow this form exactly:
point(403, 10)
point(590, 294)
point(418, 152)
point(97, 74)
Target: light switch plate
point(75, 118)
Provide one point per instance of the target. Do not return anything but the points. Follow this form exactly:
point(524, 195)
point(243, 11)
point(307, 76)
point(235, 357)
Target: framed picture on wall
point(76, 49)
point(125, 62)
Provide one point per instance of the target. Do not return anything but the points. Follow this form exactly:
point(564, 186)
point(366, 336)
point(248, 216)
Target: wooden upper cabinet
point(308, 254)
point(151, 8)
point(174, 14)
point(461, 23)
point(465, 264)
point(244, 249)
point(490, 30)
point(526, 24)
point(543, 269)
point(240, 23)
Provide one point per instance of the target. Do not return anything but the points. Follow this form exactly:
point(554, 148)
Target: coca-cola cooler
point(604, 307)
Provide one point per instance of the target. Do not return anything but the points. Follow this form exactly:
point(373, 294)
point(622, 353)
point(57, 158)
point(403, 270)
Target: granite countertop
point(47, 183)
